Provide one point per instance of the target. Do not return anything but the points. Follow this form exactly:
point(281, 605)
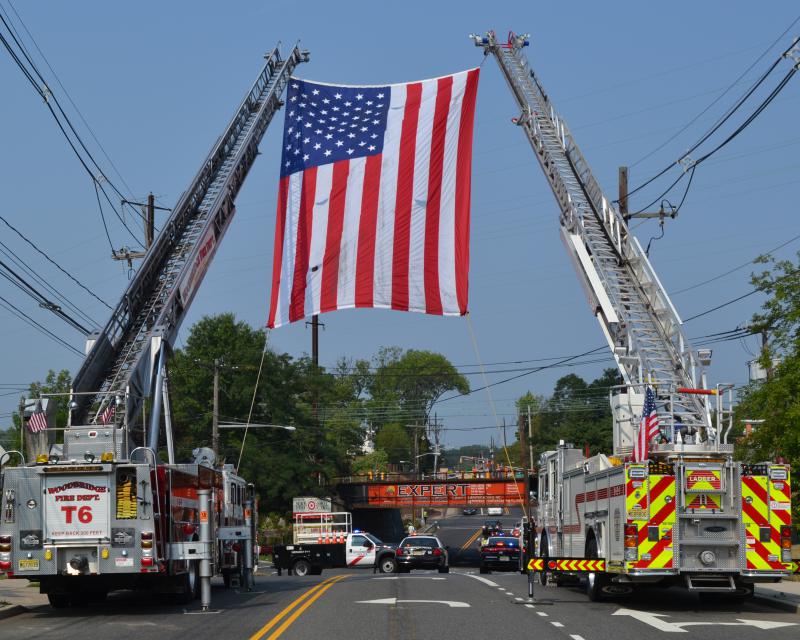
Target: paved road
point(462, 534)
point(332, 607)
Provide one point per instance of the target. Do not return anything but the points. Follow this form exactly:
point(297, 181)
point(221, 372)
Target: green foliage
point(776, 400)
point(394, 441)
point(378, 461)
point(328, 408)
point(576, 412)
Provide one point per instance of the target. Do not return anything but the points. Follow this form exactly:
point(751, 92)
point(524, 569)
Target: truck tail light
point(147, 562)
point(147, 535)
point(5, 565)
point(786, 543)
point(5, 539)
point(147, 544)
point(437, 552)
point(631, 536)
point(5, 547)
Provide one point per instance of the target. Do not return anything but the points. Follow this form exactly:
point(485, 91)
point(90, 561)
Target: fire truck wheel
point(301, 568)
point(58, 600)
point(387, 564)
point(543, 553)
point(595, 582)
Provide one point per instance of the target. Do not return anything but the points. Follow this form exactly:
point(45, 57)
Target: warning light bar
point(698, 392)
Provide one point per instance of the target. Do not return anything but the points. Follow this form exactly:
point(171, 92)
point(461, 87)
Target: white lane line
point(541, 613)
point(530, 606)
point(518, 599)
point(556, 624)
point(501, 588)
point(409, 578)
point(484, 580)
point(575, 636)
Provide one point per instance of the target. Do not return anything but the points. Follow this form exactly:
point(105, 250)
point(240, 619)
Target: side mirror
point(368, 545)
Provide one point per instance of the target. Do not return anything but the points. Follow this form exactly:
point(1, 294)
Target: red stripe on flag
point(277, 252)
point(333, 241)
point(433, 299)
point(405, 192)
point(365, 262)
point(463, 188)
point(303, 250)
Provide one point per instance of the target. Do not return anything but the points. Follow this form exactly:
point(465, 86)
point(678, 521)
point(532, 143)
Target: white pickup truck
point(357, 549)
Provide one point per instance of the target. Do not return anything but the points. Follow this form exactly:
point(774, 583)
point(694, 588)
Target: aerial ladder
point(125, 360)
point(636, 316)
point(688, 513)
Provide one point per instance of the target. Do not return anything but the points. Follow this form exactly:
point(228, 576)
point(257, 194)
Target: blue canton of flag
point(327, 123)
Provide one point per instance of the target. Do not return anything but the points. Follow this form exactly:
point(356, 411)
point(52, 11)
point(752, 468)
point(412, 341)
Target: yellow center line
point(471, 539)
point(301, 609)
point(292, 605)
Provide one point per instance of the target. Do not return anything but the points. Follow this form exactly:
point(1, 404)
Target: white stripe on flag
point(346, 289)
point(384, 231)
point(419, 201)
point(319, 228)
point(447, 215)
point(289, 247)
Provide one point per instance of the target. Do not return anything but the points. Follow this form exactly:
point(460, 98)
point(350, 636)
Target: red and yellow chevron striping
point(766, 505)
point(655, 549)
point(575, 565)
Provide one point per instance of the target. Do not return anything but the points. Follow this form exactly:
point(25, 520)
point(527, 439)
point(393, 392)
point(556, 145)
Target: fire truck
point(689, 514)
point(102, 511)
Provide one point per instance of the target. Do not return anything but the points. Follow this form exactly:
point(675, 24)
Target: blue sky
point(158, 82)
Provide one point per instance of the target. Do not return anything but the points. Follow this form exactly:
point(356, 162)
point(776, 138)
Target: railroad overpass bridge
point(409, 491)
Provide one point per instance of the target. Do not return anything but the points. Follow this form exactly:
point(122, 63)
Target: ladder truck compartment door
point(650, 506)
point(766, 512)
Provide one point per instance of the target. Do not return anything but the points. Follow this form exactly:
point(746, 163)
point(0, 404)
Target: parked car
point(422, 552)
point(500, 553)
point(469, 511)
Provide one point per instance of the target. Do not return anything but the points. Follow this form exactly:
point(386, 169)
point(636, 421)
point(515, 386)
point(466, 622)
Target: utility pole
point(530, 438)
point(215, 414)
point(315, 340)
point(149, 215)
point(150, 220)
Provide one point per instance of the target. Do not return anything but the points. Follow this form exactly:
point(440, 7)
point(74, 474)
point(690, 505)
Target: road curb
point(777, 602)
point(11, 610)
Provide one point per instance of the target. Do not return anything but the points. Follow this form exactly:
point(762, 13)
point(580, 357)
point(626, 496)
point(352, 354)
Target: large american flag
point(648, 427)
point(38, 420)
point(374, 198)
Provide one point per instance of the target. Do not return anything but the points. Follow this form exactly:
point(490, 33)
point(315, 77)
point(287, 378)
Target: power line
point(719, 97)
point(722, 121)
point(26, 287)
point(55, 264)
point(28, 320)
point(66, 93)
point(48, 96)
point(11, 255)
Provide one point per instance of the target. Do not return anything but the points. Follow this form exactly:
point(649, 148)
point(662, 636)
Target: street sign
point(575, 565)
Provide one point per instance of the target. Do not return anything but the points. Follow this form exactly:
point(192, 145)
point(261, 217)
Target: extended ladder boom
point(635, 313)
point(121, 358)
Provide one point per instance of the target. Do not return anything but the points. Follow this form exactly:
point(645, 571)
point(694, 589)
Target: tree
point(393, 439)
point(577, 412)
point(282, 464)
point(776, 400)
